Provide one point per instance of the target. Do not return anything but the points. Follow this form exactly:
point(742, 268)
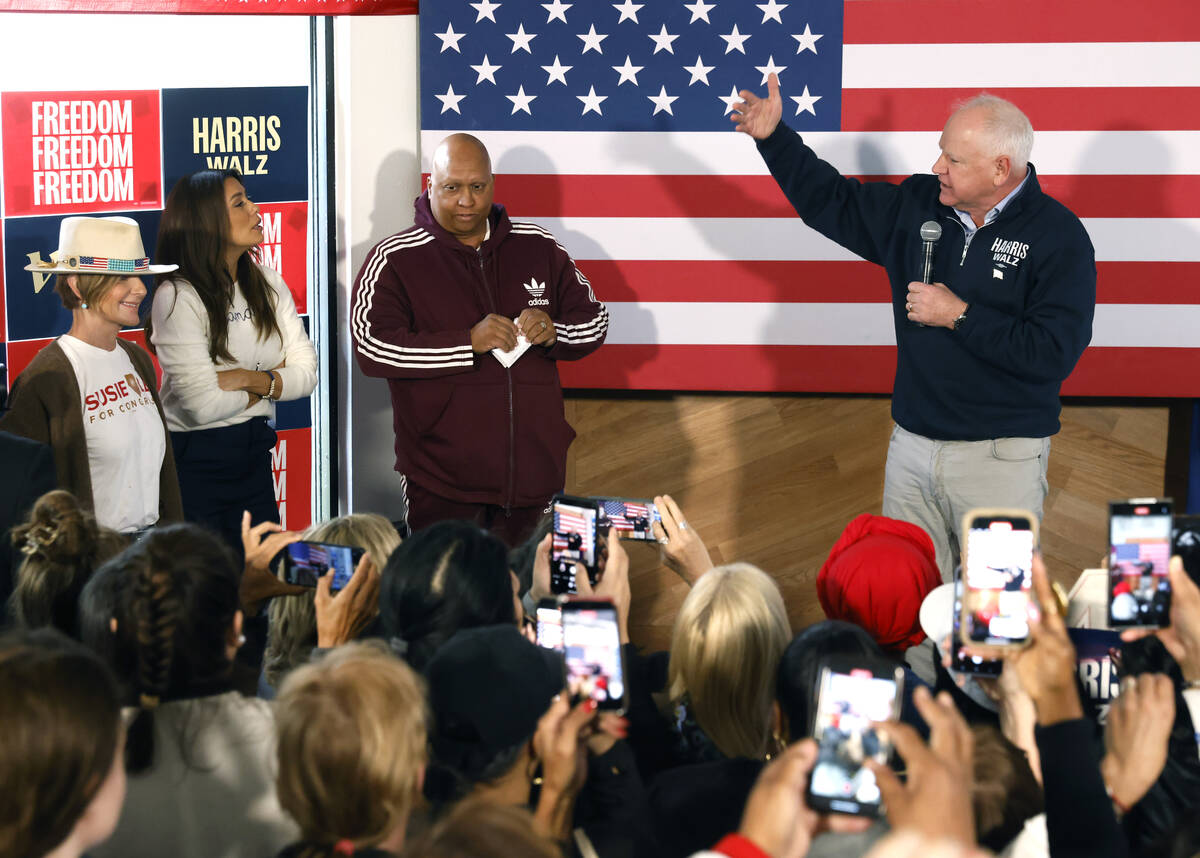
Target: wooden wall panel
point(773, 479)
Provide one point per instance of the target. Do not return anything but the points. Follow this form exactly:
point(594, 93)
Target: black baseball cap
point(488, 688)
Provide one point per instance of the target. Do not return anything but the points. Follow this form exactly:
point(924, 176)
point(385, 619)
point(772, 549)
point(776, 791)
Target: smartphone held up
point(304, 563)
point(852, 695)
point(591, 644)
point(631, 519)
point(1139, 551)
point(574, 539)
point(961, 658)
point(997, 577)
point(549, 630)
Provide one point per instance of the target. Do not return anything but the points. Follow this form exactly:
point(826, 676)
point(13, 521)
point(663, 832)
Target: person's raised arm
point(1079, 816)
point(935, 800)
point(559, 744)
point(342, 616)
point(860, 216)
point(613, 583)
point(1135, 737)
point(260, 544)
point(683, 551)
point(1046, 667)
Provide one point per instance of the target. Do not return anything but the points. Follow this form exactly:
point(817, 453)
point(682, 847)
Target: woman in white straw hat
point(91, 395)
point(230, 344)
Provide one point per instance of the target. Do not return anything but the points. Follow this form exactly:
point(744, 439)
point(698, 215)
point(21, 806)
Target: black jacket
point(1029, 278)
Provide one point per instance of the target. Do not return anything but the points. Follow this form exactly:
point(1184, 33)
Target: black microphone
point(931, 231)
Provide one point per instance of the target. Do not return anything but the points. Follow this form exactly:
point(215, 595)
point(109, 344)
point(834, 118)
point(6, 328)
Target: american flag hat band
point(98, 245)
point(105, 263)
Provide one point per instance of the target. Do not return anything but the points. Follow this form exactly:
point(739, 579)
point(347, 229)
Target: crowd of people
point(165, 689)
point(411, 712)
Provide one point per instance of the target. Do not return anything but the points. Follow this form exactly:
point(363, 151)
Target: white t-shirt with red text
point(125, 437)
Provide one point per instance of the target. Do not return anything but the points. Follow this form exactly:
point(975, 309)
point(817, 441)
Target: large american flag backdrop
point(608, 124)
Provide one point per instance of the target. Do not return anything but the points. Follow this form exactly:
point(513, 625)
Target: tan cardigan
point(45, 405)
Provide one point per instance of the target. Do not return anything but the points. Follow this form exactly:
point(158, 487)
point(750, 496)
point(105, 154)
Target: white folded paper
point(511, 357)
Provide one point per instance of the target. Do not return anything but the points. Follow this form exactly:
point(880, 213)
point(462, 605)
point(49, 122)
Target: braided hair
point(178, 603)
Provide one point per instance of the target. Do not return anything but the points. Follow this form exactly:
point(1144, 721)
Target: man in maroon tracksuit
point(474, 439)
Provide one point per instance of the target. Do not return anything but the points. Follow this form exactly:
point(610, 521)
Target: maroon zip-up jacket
point(468, 429)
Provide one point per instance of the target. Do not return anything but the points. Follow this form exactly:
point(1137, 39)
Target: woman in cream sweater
point(231, 344)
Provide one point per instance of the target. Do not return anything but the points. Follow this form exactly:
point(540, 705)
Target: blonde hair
point(293, 620)
point(351, 743)
point(728, 638)
point(92, 288)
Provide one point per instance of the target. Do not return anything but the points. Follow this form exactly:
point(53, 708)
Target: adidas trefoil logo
point(535, 290)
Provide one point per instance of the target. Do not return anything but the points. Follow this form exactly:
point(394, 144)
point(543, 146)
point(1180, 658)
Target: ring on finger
point(683, 525)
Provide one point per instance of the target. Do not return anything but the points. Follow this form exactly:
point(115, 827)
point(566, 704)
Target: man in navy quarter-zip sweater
point(984, 348)
point(474, 439)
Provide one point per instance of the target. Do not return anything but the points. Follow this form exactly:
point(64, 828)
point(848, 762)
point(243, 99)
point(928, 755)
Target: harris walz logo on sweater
point(1006, 256)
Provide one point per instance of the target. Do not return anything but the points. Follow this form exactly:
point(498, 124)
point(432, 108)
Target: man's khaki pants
point(934, 483)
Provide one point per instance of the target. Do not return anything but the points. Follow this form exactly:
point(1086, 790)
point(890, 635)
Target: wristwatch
point(962, 317)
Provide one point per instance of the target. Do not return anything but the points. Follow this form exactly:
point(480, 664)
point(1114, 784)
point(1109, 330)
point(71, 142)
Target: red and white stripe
point(713, 283)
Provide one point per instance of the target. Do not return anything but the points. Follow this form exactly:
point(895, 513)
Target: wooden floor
point(773, 480)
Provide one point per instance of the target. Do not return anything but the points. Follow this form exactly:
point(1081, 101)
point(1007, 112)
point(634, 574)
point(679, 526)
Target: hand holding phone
point(306, 562)
point(775, 817)
point(1047, 668)
point(614, 582)
point(683, 550)
point(936, 797)
point(853, 697)
point(343, 615)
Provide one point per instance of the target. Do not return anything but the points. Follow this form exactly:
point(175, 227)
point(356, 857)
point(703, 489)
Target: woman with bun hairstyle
point(230, 343)
point(92, 396)
point(60, 749)
point(61, 545)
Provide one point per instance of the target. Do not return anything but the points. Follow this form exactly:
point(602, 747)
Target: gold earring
point(776, 746)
